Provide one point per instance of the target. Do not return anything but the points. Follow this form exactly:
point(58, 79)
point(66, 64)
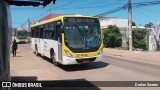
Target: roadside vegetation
point(112, 37)
point(139, 39)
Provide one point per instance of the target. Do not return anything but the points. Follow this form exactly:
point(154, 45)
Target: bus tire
point(53, 57)
point(36, 50)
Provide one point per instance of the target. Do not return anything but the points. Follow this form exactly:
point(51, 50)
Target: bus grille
point(83, 59)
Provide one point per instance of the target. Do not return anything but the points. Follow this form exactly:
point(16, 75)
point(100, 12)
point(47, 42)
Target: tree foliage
point(139, 39)
point(133, 24)
point(149, 25)
point(112, 36)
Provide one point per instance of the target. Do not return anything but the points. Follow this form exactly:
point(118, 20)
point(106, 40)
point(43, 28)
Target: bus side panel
point(57, 50)
point(42, 46)
point(33, 43)
point(38, 44)
point(47, 45)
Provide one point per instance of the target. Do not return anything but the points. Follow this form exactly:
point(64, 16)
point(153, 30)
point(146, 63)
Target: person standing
point(14, 47)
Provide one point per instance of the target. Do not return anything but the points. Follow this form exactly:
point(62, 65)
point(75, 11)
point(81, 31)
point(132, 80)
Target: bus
point(68, 39)
point(20, 36)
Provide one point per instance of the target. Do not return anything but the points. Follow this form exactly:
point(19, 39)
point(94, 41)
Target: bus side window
point(37, 34)
point(59, 36)
point(45, 34)
point(58, 25)
point(57, 32)
point(35, 31)
point(52, 35)
point(41, 31)
point(51, 30)
point(46, 31)
point(32, 32)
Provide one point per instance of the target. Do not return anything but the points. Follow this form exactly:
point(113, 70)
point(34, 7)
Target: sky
point(141, 15)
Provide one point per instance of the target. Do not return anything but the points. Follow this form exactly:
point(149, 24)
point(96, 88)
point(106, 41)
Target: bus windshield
point(82, 34)
point(21, 34)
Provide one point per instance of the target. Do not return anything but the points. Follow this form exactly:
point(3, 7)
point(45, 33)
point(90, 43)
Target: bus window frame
point(58, 31)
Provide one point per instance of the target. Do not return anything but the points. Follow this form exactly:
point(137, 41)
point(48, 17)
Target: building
point(122, 24)
point(152, 44)
point(152, 37)
point(50, 16)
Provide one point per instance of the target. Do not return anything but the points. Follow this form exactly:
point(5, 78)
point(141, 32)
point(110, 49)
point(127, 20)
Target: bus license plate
point(86, 61)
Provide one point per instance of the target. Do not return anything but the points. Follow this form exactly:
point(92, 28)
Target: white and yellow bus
point(68, 39)
point(20, 36)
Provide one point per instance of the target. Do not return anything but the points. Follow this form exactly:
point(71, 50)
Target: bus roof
point(59, 18)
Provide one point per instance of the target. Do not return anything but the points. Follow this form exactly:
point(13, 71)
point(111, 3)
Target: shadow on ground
point(72, 84)
point(18, 56)
point(79, 67)
point(47, 59)
point(23, 78)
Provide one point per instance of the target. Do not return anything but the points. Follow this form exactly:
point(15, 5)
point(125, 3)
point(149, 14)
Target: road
point(28, 66)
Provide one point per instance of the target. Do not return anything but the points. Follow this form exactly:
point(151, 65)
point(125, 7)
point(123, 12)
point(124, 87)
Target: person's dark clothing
point(14, 47)
point(14, 52)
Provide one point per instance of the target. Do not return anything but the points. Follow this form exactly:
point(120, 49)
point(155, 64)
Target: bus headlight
point(68, 54)
point(101, 51)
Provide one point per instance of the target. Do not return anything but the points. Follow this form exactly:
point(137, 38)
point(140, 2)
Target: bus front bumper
point(70, 61)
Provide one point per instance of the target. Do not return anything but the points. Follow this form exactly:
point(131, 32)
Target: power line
point(66, 4)
point(98, 2)
point(114, 10)
point(157, 12)
point(147, 15)
point(45, 12)
point(136, 5)
point(145, 3)
point(40, 15)
point(88, 7)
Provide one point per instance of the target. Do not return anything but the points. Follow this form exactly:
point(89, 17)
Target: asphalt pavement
point(29, 67)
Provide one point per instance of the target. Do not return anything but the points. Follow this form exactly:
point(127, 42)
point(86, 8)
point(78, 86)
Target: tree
point(112, 37)
point(133, 24)
point(149, 25)
point(139, 39)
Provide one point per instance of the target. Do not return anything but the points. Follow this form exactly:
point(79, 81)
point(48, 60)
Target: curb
point(133, 59)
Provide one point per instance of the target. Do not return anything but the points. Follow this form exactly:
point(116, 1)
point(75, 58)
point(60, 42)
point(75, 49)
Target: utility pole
point(29, 30)
point(29, 26)
point(130, 24)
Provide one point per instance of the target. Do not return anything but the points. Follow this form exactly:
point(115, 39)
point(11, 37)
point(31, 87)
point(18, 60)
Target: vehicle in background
point(68, 39)
point(20, 36)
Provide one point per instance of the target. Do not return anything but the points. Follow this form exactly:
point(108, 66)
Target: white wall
point(152, 42)
point(113, 21)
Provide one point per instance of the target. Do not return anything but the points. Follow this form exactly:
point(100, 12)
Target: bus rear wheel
point(36, 50)
point(53, 58)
